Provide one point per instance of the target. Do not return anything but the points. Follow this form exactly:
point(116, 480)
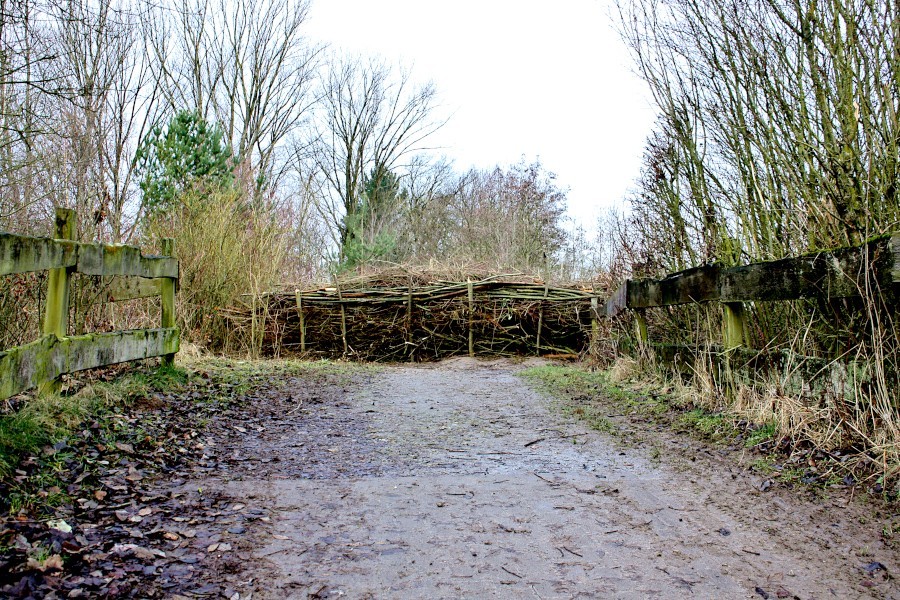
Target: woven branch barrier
point(424, 321)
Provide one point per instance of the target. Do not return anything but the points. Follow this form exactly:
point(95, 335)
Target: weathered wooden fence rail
point(873, 268)
point(43, 361)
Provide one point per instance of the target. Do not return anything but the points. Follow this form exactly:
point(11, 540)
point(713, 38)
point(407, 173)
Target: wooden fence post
point(343, 319)
point(734, 326)
point(167, 298)
point(595, 323)
point(640, 327)
point(409, 322)
point(541, 319)
point(471, 318)
point(56, 315)
point(302, 320)
point(56, 311)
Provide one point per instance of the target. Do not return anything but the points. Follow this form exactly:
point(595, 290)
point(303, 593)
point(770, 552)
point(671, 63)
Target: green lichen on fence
point(128, 273)
point(48, 357)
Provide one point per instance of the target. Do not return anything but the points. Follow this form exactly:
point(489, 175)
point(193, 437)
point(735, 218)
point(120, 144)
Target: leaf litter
point(128, 523)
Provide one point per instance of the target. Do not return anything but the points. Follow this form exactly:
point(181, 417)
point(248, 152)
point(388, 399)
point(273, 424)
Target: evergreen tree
point(189, 153)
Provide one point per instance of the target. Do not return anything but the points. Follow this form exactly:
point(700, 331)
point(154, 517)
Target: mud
point(457, 480)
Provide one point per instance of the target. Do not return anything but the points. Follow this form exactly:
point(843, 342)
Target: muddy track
point(457, 480)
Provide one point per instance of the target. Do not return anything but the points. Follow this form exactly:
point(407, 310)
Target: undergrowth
point(35, 429)
point(30, 423)
point(584, 394)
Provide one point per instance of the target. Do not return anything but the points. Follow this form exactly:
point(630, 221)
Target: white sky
point(539, 78)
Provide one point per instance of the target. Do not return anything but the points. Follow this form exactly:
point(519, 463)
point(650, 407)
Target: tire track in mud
point(457, 480)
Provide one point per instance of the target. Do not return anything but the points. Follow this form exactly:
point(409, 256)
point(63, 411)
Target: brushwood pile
point(421, 316)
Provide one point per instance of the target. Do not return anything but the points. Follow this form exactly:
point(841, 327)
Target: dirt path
point(456, 480)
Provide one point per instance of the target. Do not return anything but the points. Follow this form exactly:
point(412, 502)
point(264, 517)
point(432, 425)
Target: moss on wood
point(45, 359)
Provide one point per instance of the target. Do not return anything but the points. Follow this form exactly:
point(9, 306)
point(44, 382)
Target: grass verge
point(593, 396)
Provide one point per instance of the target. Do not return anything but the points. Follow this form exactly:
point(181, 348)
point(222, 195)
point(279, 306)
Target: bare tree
point(509, 218)
point(245, 65)
point(370, 120)
point(777, 128)
point(29, 91)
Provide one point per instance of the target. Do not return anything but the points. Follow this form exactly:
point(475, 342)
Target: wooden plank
point(838, 274)
point(119, 289)
point(45, 359)
point(23, 254)
point(787, 279)
point(618, 302)
point(700, 284)
point(103, 259)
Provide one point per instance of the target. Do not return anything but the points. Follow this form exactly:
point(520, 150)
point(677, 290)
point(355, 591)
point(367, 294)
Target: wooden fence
point(41, 362)
point(872, 269)
point(424, 321)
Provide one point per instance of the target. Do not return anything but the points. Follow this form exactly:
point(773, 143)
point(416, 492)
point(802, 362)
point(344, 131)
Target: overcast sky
point(548, 80)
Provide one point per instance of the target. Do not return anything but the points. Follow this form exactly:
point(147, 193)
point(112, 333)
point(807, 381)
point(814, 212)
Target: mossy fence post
point(123, 273)
point(56, 312)
point(167, 298)
point(640, 331)
point(734, 332)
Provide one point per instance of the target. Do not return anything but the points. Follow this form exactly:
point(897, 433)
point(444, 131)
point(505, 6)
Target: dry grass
point(226, 248)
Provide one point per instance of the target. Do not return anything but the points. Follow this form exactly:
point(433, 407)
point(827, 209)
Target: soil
point(447, 480)
point(457, 480)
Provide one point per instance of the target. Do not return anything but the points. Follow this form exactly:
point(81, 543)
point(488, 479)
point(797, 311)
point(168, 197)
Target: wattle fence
point(429, 319)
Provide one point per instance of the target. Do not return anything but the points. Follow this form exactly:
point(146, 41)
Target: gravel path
point(456, 480)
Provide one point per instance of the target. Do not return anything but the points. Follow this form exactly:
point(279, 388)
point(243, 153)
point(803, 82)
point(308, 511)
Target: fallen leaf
point(212, 547)
point(145, 512)
point(874, 566)
point(100, 495)
point(278, 536)
point(51, 563)
point(138, 552)
point(171, 536)
point(60, 525)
